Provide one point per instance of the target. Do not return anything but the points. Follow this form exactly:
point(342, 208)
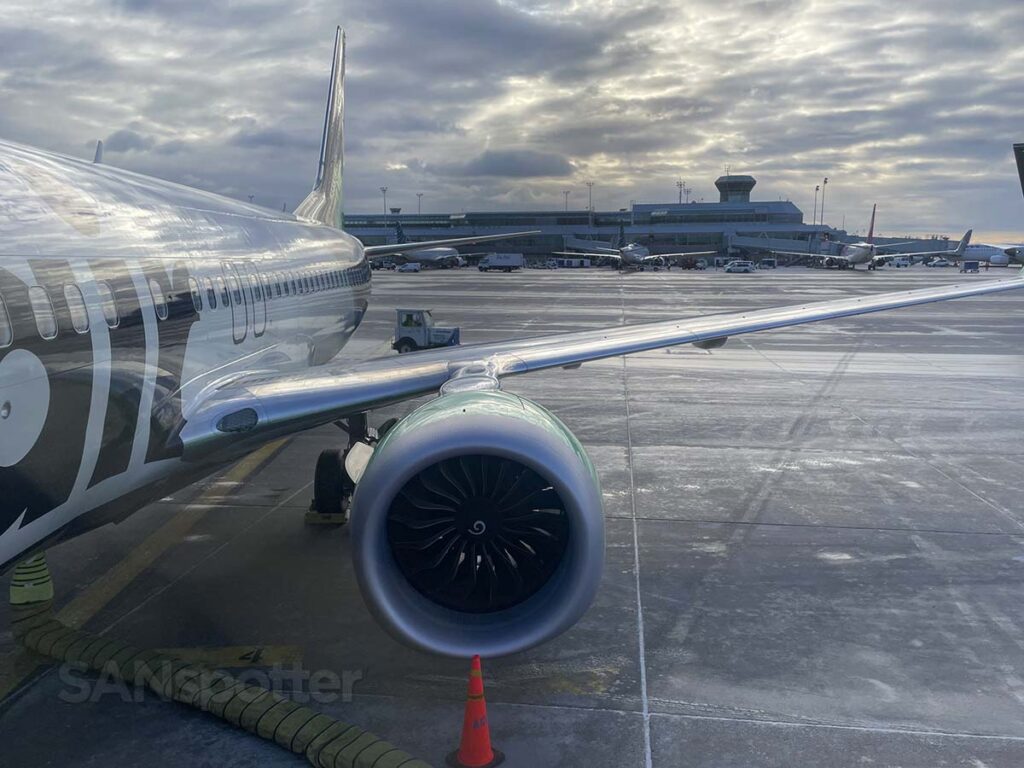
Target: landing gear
point(332, 485)
point(332, 489)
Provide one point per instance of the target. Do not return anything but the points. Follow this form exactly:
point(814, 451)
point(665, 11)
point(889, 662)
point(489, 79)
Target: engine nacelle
point(477, 526)
point(830, 262)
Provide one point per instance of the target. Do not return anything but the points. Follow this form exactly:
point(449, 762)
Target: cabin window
point(236, 290)
point(42, 308)
point(197, 294)
point(268, 286)
point(211, 293)
point(108, 304)
point(159, 300)
point(222, 289)
point(76, 307)
point(277, 284)
point(6, 332)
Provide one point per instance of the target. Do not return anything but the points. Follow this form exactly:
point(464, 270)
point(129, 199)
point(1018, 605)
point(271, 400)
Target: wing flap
point(272, 406)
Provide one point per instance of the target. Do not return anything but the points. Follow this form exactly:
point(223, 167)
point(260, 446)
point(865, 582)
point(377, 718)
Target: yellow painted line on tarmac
point(21, 663)
point(236, 656)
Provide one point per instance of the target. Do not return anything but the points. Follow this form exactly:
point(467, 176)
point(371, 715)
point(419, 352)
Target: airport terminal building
point(731, 226)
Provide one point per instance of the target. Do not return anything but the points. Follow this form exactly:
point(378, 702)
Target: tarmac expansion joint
point(323, 740)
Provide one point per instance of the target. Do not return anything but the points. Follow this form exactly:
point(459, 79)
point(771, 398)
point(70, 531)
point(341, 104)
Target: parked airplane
point(151, 333)
point(434, 255)
point(631, 255)
point(867, 252)
point(997, 255)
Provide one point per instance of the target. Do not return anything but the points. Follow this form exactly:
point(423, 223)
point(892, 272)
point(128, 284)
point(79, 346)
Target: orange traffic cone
point(475, 748)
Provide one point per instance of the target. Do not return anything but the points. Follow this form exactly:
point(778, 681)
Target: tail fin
point(400, 233)
point(1018, 152)
point(964, 242)
point(622, 235)
point(323, 204)
point(871, 229)
point(98, 157)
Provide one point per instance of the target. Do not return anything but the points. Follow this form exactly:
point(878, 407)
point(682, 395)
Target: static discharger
point(475, 749)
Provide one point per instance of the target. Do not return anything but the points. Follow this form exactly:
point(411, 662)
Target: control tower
point(735, 189)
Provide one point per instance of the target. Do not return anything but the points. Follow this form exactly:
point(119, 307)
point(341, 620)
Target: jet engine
point(830, 262)
point(477, 526)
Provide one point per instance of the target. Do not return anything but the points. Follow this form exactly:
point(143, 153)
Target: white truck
point(415, 329)
point(503, 262)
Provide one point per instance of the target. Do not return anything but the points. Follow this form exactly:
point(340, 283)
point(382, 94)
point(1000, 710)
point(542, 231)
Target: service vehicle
point(503, 262)
point(767, 264)
point(970, 266)
point(938, 263)
point(410, 266)
point(415, 329)
point(739, 266)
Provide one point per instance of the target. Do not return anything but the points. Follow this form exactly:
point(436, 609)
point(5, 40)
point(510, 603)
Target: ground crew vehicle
point(739, 266)
point(503, 262)
point(415, 329)
point(970, 266)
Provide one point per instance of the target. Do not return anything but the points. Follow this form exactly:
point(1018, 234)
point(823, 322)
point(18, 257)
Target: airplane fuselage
point(123, 300)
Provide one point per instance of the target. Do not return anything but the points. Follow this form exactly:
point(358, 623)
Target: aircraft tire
point(331, 484)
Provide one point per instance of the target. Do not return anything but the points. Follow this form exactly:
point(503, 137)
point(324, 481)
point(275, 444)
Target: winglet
point(98, 157)
point(964, 242)
point(1018, 153)
point(323, 204)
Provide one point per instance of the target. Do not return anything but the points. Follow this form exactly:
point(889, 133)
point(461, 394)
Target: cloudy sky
point(502, 104)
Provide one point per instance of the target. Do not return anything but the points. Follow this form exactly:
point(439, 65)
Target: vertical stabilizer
point(871, 229)
point(1018, 153)
point(961, 247)
point(323, 204)
point(98, 157)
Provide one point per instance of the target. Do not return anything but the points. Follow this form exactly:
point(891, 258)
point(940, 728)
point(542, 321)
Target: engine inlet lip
point(411, 617)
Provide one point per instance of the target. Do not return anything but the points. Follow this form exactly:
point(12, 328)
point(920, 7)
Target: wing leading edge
point(251, 411)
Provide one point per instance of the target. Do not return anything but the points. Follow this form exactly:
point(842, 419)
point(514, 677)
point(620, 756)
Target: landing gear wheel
point(332, 489)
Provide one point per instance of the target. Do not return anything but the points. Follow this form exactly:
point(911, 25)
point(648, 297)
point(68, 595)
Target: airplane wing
point(804, 253)
point(578, 254)
point(250, 410)
point(954, 253)
point(679, 255)
point(378, 251)
point(894, 245)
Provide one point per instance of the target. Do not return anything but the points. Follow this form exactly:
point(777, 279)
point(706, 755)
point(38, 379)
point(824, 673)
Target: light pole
point(680, 185)
point(817, 188)
point(590, 196)
point(419, 202)
point(384, 191)
point(823, 185)
point(566, 193)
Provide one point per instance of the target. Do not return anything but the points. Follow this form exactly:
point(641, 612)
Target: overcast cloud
point(502, 104)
